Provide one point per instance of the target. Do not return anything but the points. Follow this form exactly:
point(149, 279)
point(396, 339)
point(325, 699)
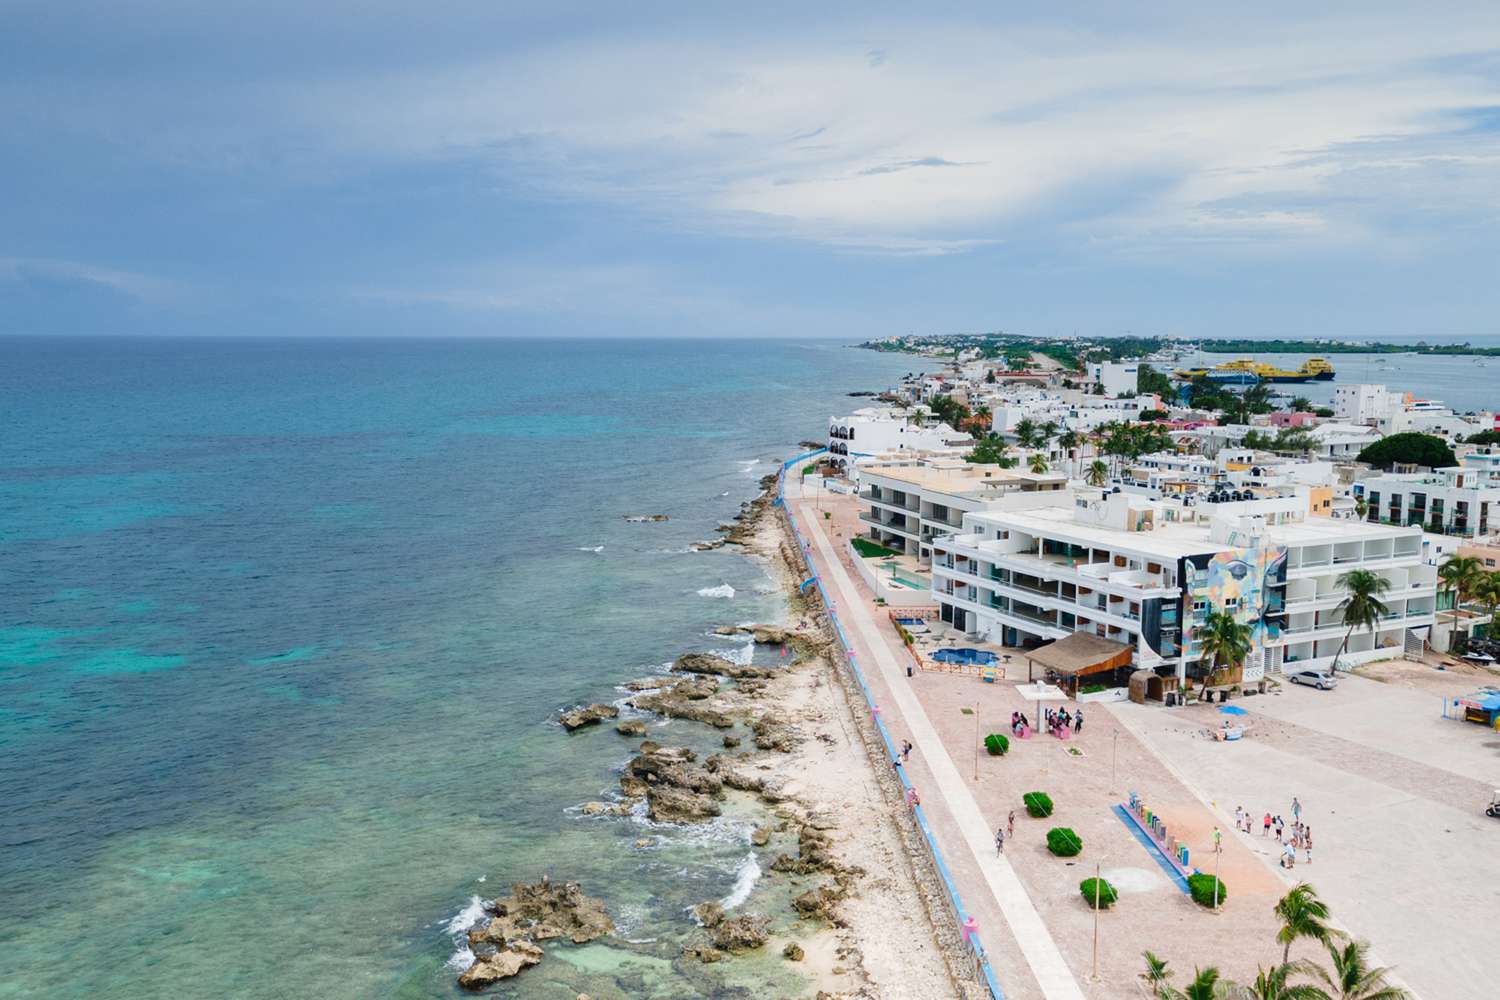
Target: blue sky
point(341, 168)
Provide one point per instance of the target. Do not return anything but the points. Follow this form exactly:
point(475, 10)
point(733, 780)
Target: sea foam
point(458, 929)
point(723, 590)
point(744, 883)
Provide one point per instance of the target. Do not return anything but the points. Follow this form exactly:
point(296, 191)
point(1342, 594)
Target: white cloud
point(144, 287)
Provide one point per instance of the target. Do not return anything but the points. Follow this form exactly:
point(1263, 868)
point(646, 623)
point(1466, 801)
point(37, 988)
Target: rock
point(673, 766)
point(709, 914)
point(589, 716)
point(741, 933)
point(730, 742)
point(717, 543)
point(817, 903)
point(644, 843)
point(646, 518)
point(503, 964)
point(772, 732)
point(739, 780)
point(549, 909)
point(793, 952)
point(703, 953)
point(760, 836)
point(814, 854)
point(631, 727)
point(695, 688)
point(666, 804)
point(647, 683)
point(708, 663)
point(667, 702)
point(604, 809)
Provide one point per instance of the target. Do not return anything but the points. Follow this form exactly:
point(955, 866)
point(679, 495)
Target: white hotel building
point(1146, 573)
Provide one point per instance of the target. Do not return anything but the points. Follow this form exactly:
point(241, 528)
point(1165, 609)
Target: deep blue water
point(283, 625)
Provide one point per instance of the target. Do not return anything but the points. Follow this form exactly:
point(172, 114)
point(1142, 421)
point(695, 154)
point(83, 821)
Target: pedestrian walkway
point(968, 830)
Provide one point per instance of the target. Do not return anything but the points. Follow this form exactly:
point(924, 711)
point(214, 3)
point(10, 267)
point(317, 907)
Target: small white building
point(874, 431)
point(1117, 378)
point(1463, 500)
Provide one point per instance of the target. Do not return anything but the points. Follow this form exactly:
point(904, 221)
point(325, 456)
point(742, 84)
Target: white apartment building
point(1463, 500)
point(1117, 379)
point(1343, 442)
point(1396, 412)
point(1069, 409)
point(874, 431)
point(1146, 573)
point(910, 504)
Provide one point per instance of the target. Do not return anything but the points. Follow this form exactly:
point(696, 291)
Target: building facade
point(1147, 573)
point(1463, 500)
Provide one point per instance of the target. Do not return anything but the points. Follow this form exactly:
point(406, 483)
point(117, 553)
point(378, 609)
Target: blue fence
point(982, 962)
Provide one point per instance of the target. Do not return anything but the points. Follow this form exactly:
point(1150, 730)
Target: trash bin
point(1171, 699)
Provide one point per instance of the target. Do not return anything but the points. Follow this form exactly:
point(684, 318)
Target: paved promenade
point(1009, 922)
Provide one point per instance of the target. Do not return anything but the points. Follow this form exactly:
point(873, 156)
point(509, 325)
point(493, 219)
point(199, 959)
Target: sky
point(338, 168)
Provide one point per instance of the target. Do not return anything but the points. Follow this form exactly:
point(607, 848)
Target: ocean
point(285, 624)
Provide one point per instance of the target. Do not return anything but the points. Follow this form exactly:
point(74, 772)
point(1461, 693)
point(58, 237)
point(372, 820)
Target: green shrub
point(1091, 689)
point(871, 550)
point(997, 744)
point(1063, 842)
point(1201, 887)
point(1038, 804)
point(1107, 894)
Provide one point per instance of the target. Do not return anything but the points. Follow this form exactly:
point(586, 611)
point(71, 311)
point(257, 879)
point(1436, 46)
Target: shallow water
point(283, 626)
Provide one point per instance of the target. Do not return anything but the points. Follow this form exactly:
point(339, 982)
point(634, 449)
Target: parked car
point(1312, 678)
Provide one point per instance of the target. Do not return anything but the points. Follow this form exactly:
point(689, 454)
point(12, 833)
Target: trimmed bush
point(1063, 842)
point(1107, 894)
point(870, 549)
point(996, 744)
point(1201, 887)
point(1038, 804)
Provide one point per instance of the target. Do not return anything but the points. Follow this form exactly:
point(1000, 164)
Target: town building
point(912, 503)
point(873, 430)
point(1401, 412)
point(1118, 379)
point(1146, 573)
point(1463, 500)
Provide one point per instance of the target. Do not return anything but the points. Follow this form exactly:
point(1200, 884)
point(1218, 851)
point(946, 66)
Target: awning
point(1081, 653)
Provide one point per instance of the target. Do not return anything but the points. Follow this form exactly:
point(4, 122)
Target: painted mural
point(1248, 580)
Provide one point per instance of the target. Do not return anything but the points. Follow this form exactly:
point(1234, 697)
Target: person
point(1239, 818)
point(905, 750)
point(1010, 824)
point(1078, 721)
point(1307, 843)
point(999, 841)
point(1296, 809)
point(1266, 830)
point(1289, 857)
point(1218, 840)
point(1280, 826)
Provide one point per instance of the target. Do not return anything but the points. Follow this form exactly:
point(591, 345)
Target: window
point(1231, 603)
point(1199, 607)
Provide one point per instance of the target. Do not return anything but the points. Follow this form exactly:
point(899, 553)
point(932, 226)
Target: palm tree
point(1361, 508)
point(1302, 914)
point(1206, 984)
point(1098, 472)
point(1363, 607)
point(1459, 574)
point(1354, 978)
point(1300, 404)
point(1048, 431)
point(1039, 463)
point(1157, 975)
point(1275, 984)
point(1224, 641)
point(1487, 593)
point(1026, 432)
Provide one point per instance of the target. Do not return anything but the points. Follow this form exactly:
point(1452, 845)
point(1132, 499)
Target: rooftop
point(964, 479)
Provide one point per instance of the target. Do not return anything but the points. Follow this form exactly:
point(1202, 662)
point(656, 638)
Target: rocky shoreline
point(837, 911)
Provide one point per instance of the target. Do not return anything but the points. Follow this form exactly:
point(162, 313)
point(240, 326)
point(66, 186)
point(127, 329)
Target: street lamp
point(1114, 756)
point(976, 741)
point(1098, 888)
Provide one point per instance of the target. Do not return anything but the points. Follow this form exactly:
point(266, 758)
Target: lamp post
point(1098, 887)
point(976, 741)
point(1218, 853)
point(1114, 756)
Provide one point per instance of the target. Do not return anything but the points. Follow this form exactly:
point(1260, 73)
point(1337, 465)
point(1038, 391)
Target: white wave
point(744, 883)
point(723, 590)
point(458, 928)
point(742, 655)
point(590, 548)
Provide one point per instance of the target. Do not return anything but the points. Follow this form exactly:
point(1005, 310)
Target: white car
point(1312, 678)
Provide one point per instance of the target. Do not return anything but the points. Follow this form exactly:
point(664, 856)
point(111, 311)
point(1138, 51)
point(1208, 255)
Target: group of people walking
point(1297, 837)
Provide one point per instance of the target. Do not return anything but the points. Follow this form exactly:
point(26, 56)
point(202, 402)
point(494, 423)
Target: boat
point(1247, 371)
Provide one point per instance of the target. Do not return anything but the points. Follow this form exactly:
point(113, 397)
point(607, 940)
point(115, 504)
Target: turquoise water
point(283, 627)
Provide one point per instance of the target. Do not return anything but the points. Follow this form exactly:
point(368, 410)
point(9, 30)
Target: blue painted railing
point(982, 962)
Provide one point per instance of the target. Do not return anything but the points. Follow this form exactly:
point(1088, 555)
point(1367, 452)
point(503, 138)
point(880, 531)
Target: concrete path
point(968, 830)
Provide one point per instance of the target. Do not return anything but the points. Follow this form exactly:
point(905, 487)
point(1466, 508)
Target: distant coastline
point(1073, 349)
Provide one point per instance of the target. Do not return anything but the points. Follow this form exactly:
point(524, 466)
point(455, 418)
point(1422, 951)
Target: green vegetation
point(991, 450)
point(808, 470)
point(1484, 437)
point(1149, 380)
point(1106, 894)
point(1038, 464)
point(948, 410)
point(871, 550)
point(1148, 415)
point(1302, 915)
point(1322, 411)
point(1225, 643)
point(1071, 352)
point(1092, 689)
point(1363, 607)
point(1038, 804)
point(1098, 473)
point(1287, 441)
point(1063, 842)
point(1201, 888)
point(1409, 448)
point(997, 744)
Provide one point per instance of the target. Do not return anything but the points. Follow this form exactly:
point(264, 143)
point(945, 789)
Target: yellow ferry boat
point(1244, 371)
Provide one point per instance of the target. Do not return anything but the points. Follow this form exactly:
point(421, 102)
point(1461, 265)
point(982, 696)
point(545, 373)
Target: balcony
point(1035, 616)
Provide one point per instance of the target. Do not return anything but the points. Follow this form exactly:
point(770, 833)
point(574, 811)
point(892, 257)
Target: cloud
point(41, 270)
point(925, 161)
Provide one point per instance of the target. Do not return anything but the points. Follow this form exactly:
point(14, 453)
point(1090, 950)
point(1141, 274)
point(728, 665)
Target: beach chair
point(987, 674)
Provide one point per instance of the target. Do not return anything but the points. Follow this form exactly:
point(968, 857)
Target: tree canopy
point(1410, 448)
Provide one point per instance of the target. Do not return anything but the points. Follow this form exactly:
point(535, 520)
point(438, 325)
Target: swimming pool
point(963, 654)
